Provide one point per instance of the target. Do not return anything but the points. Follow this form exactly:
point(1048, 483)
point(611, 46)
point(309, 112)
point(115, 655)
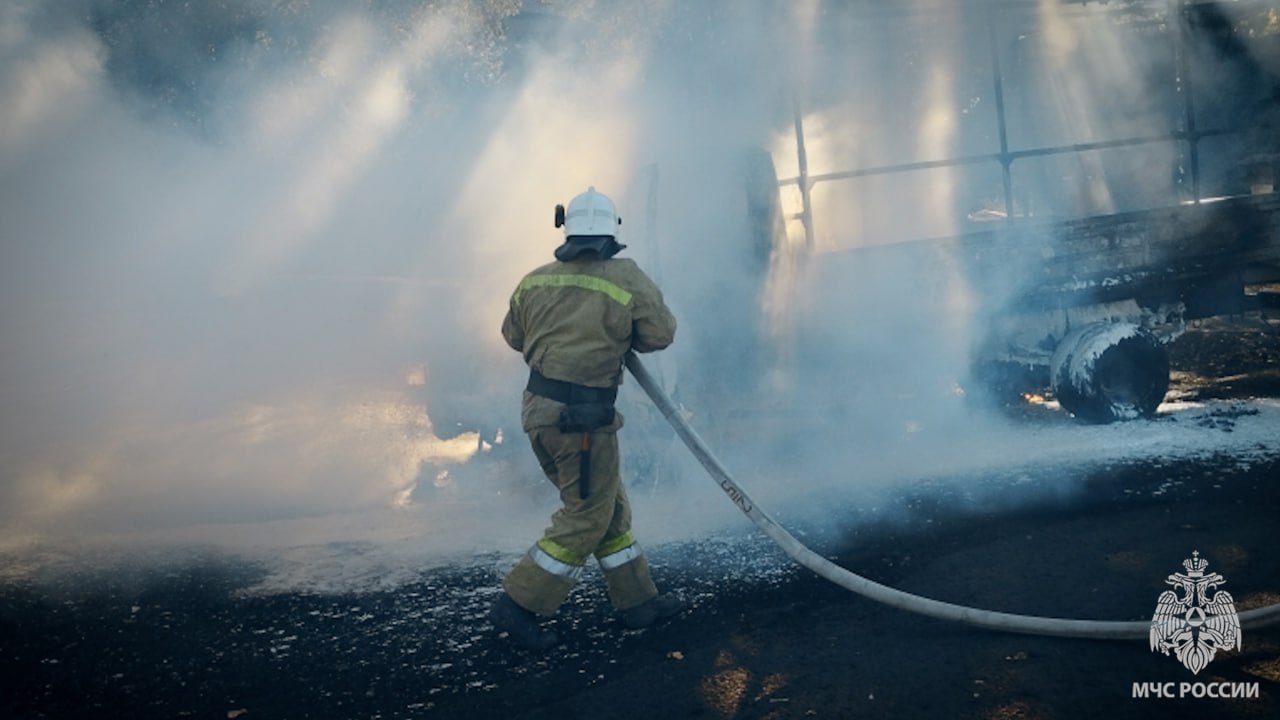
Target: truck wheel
point(1106, 372)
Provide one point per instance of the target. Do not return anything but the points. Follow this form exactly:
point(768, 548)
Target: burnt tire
point(1106, 372)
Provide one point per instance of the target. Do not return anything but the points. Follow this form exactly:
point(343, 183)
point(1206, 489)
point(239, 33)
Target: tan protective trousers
point(598, 525)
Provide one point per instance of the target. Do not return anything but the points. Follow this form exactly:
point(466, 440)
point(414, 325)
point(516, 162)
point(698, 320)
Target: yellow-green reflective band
point(619, 558)
point(560, 552)
point(612, 546)
point(587, 282)
point(554, 566)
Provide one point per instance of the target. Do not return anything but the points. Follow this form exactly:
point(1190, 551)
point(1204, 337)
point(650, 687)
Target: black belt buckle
point(584, 395)
point(585, 417)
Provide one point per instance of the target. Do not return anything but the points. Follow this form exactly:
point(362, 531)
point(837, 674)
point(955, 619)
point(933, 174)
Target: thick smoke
point(255, 254)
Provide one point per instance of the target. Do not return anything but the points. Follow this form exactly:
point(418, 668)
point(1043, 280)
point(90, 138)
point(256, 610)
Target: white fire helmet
point(591, 214)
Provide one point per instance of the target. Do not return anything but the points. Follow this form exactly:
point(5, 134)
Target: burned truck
point(1071, 264)
point(1086, 307)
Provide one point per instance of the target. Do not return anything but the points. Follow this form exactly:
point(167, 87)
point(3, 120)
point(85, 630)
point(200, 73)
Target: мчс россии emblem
point(1195, 626)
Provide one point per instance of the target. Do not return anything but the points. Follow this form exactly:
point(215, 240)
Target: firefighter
point(574, 320)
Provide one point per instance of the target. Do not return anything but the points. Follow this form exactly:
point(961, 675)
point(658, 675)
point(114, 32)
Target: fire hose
point(1008, 622)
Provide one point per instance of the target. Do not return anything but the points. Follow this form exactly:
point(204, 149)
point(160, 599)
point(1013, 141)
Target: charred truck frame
point(1094, 296)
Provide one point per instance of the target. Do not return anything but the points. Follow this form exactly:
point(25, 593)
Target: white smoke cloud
point(229, 292)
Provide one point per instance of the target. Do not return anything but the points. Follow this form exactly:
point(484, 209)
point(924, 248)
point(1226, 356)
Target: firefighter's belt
point(569, 393)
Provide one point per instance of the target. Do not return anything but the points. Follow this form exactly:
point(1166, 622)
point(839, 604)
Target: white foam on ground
point(1041, 451)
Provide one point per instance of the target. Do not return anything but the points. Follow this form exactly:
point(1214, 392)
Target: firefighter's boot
point(521, 625)
point(652, 610)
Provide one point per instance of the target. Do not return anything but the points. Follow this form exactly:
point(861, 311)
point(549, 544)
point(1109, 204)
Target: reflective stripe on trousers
point(618, 551)
point(557, 559)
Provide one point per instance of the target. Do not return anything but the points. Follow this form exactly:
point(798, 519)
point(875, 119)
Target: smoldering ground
point(247, 245)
